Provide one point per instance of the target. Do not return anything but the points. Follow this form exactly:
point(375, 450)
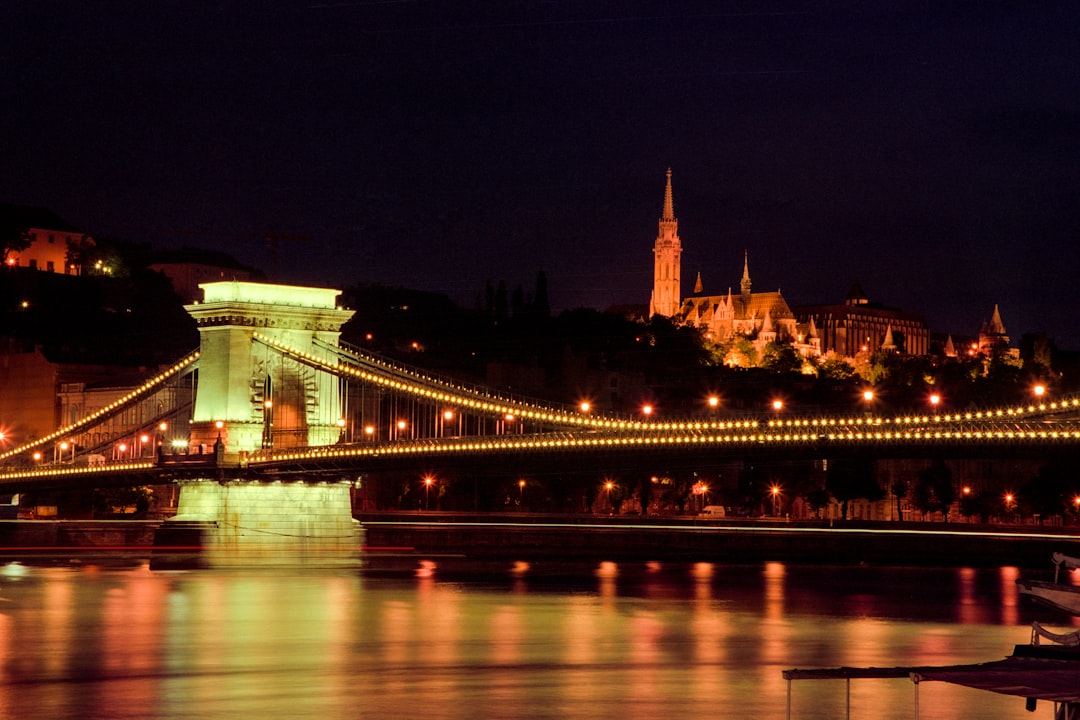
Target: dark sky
point(928, 150)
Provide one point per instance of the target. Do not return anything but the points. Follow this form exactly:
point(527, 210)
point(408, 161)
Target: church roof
point(761, 304)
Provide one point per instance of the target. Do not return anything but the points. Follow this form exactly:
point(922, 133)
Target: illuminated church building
point(761, 317)
point(846, 329)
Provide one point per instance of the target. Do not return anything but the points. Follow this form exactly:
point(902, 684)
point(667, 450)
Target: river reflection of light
point(1010, 595)
point(968, 609)
point(607, 572)
point(673, 642)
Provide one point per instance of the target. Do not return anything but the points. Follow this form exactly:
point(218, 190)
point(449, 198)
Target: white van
point(713, 511)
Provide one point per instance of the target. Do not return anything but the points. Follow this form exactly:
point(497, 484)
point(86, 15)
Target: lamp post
point(521, 493)
point(428, 480)
point(774, 490)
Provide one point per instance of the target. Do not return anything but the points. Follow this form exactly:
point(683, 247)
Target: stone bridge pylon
point(249, 397)
point(259, 398)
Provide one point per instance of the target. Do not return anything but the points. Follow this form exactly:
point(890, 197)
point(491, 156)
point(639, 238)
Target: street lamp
point(646, 410)
point(1039, 390)
point(774, 490)
point(521, 493)
point(713, 401)
point(778, 405)
point(585, 406)
point(428, 480)
point(935, 400)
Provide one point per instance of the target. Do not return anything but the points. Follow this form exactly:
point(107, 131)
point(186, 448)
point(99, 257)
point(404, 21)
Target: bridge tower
point(251, 392)
point(249, 397)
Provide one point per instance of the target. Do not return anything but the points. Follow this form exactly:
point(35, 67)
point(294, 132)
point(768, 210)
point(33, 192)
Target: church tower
point(666, 294)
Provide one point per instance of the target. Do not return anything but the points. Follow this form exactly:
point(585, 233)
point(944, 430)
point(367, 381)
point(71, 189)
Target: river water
point(438, 640)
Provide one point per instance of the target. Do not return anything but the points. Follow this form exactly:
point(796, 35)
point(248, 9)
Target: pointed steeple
point(744, 285)
point(888, 343)
point(698, 287)
point(996, 326)
point(766, 324)
point(669, 201)
point(950, 349)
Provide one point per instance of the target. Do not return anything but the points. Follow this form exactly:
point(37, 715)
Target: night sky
point(928, 150)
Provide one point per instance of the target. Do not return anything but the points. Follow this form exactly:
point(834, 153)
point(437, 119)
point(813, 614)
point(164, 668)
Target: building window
point(49, 266)
point(52, 239)
point(33, 263)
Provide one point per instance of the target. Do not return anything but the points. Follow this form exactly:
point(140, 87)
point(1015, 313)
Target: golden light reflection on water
point(617, 640)
point(1010, 595)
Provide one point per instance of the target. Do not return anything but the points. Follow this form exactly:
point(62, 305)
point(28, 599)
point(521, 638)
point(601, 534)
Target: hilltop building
point(845, 329)
point(761, 317)
point(859, 326)
point(54, 244)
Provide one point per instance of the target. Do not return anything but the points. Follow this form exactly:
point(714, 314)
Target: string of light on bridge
point(493, 404)
point(501, 406)
point(68, 471)
point(546, 442)
point(145, 389)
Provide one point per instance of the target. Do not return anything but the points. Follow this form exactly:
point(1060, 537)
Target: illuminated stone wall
point(269, 523)
point(238, 377)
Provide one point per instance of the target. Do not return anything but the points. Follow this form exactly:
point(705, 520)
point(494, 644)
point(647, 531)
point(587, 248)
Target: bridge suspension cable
point(184, 365)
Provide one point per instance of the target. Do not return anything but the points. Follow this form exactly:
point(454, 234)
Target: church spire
point(667, 252)
point(745, 284)
point(669, 201)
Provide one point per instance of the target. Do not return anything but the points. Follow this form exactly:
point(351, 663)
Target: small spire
point(669, 202)
point(698, 287)
point(996, 326)
point(950, 349)
point(888, 343)
point(745, 284)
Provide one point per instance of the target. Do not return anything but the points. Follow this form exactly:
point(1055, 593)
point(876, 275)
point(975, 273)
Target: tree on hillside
point(781, 358)
point(13, 240)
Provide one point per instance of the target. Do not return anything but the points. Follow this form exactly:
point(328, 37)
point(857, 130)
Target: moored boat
point(1058, 595)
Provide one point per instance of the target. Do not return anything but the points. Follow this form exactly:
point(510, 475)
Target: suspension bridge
point(274, 411)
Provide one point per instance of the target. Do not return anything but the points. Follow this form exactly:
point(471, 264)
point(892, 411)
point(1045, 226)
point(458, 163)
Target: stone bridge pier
point(249, 397)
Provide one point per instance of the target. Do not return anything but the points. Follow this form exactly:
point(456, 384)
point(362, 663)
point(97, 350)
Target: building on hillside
point(54, 244)
point(859, 326)
point(187, 268)
point(761, 317)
